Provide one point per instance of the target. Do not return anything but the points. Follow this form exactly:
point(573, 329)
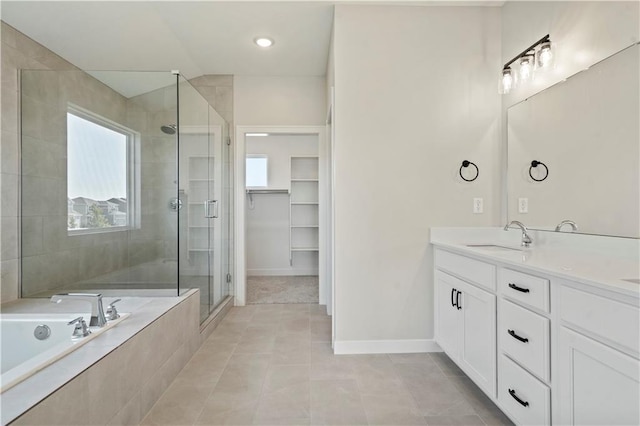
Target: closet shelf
point(305, 249)
point(304, 180)
point(305, 226)
point(304, 203)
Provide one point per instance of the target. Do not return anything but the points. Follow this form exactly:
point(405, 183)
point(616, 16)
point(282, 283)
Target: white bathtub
point(22, 354)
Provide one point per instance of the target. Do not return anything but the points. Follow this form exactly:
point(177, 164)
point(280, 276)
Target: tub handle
point(81, 329)
point(112, 312)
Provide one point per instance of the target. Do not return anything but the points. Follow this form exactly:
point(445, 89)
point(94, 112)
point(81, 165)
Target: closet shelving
point(303, 230)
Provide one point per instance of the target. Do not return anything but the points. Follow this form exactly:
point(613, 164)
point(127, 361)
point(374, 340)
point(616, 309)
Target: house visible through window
point(256, 171)
point(99, 173)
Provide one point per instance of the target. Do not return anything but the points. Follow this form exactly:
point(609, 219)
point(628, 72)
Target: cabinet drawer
point(473, 270)
point(528, 289)
point(609, 319)
point(533, 403)
point(524, 336)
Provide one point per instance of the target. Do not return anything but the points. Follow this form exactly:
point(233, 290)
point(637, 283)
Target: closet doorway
point(282, 234)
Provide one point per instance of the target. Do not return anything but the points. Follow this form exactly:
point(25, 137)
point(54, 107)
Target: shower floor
point(282, 289)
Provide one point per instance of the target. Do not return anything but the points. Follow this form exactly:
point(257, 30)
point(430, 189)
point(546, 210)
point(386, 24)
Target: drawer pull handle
point(515, 336)
point(513, 394)
point(458, 300)
point(515, 287)
point(453, 302)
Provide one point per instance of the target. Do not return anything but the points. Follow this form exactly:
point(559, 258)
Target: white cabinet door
point(448, 316)
point(466, 328)
point(478, 340)
point(598, 385)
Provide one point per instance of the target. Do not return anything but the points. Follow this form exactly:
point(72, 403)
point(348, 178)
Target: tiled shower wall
point(18, 51)
point(50, 252)
point(51, 258)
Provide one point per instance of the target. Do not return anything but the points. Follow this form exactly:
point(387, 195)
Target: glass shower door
point(204, 227)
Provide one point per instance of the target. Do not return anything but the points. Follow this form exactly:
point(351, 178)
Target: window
point(100, 194)
point(256, 171)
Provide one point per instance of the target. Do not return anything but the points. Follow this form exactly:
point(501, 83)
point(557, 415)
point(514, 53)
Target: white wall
point(416, 93)
point(277, 101)
point(268, 220)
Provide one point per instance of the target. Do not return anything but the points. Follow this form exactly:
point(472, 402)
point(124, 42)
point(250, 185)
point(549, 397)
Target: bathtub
point(23, 354)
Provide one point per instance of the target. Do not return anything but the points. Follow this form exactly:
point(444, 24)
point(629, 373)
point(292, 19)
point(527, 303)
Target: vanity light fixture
point(526, 67)
point(263, 41)
point(538, 55)
point(545, 55)
point(507, 80)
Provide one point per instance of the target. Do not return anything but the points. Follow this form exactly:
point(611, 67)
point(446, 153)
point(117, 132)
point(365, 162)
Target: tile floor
point(273, 365)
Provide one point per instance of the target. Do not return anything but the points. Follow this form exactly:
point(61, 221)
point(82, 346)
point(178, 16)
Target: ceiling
point(194, 37)
point(200, 37)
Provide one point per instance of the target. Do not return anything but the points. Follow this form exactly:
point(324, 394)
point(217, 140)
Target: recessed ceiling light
point(263, 42)
point(257, 134)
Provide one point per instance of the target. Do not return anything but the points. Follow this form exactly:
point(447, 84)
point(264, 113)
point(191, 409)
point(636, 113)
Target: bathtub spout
point(97, 311)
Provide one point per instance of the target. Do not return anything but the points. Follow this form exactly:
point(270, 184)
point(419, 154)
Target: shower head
point(169, 129)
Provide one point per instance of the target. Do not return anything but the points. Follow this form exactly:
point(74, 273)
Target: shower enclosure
point(125, 186)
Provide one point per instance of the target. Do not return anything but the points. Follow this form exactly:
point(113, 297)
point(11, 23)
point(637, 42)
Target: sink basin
point(493, 247)
point(632, 280)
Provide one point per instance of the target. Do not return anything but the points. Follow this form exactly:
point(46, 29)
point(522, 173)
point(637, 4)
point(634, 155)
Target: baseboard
point(343, 347)
point(281, 272)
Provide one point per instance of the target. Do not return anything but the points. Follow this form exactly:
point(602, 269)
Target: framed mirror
point(574, 151)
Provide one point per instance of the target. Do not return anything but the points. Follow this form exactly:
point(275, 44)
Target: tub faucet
point(526, 239)
point(572, 224)
point(97, 311)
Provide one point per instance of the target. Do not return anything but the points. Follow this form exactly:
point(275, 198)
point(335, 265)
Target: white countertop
point(603, 262)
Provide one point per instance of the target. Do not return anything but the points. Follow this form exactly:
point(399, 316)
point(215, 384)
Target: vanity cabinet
point(524, 342)
point(545, 349)
point(598, 368)
point(466, 327)
point(597, 384)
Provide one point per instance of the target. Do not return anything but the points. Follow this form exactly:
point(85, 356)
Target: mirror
point(586, 132)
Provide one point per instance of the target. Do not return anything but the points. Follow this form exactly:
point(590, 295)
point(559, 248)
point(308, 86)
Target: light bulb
point(545, 55)
point(263, 42)
point(507, 80)
point(526, 67)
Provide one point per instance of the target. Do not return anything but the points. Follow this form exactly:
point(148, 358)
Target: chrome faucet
point(572, 224)
point(97, 312)
point(526, 239)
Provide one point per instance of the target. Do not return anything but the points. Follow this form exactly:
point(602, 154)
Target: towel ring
point(536, 163)
point(466, 163)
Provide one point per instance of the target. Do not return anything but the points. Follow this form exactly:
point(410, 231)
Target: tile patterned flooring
point(273, 365)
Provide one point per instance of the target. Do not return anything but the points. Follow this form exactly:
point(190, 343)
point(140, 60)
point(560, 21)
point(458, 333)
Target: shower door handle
point(207, 209)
